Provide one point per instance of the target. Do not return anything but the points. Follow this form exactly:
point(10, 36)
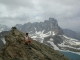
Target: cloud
point(17, 3)
point(21, 11)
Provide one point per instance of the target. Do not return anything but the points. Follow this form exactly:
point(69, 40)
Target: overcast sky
point(67, 12)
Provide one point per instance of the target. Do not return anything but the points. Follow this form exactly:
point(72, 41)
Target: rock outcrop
point(15, 49)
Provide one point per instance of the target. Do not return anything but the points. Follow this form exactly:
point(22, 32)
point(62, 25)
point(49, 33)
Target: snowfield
point(3, 40)
point(40, 35)
point(55, 47)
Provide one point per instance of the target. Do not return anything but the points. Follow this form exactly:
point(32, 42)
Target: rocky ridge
point(48, 25)
point(15, 49)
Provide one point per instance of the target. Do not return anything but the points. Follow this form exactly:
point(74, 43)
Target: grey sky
point(67, 12)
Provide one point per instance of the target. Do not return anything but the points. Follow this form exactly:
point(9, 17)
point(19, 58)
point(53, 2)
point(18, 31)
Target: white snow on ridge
point(70, 38)
point(72, 41)
point(41, 35)
point(52, 43)
point(34, 37)
point(1, 30)
point(55, 47)
point(63, 45)
point(51, 40)
point(3, 40)
point(53, 33)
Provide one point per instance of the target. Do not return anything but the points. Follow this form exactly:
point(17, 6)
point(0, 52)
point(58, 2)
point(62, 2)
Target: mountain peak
point(48, 25)
point(52, 19)
point(16, 49)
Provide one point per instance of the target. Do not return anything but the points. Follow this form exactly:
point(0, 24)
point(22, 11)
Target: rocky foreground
point(15, 49)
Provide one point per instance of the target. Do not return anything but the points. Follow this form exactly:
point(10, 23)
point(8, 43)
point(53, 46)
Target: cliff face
point(15, 49)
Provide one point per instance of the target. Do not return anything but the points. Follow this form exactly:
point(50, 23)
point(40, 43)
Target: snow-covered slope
point(65, 43)
point(3, 40)
point(70, 43)
point(52, 43)
point(39, 36)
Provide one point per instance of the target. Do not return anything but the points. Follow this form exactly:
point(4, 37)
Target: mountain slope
point(71, 34)
point(15, 49)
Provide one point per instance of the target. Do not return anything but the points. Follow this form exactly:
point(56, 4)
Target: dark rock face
point(47, 25)
point(15, 49)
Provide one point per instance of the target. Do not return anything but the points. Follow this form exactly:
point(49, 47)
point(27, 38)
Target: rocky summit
point(15, 49)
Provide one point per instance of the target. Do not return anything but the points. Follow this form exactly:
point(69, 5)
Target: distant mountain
point(50, 33)
point(71, 34)
point(15, 49)
point(4, 28)
point(46, 26)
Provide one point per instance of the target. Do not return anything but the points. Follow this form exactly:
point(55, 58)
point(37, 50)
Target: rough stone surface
point(15, 49)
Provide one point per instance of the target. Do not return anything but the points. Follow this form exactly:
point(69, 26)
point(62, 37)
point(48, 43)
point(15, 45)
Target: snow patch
point(41, 35)
point(3, 40)
point(52, 43)
point(51, 39)
point(34, 37)
point(71, 41)
point(69, 46)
